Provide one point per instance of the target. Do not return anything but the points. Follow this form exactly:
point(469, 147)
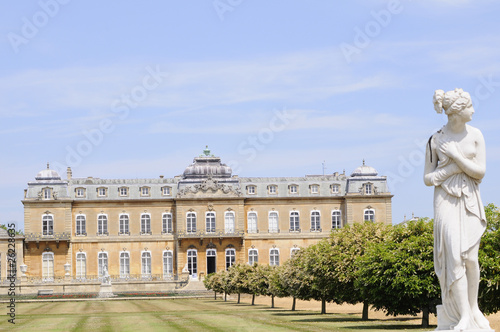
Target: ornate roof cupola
point(207, 165)
point(364, 170)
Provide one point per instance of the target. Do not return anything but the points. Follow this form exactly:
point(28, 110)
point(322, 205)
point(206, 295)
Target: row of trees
point(389, 268)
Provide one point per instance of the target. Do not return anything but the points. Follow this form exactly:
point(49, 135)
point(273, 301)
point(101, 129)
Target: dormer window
point(368, 189)
point(47, 193)
point(80, 192)
point(166, 191)
point(251, 190)
point(145, 191)
point(273, 189)
point(102, 192)
point(123, 191)
point(335, 188)
point(293, 188)
point(314, 188)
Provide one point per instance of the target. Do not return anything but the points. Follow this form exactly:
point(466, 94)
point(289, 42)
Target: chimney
point(69, 173)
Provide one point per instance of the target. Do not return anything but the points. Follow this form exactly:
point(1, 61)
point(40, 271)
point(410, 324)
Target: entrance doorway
point(211, 264)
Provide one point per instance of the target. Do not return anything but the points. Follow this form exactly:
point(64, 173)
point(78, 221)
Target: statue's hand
point(450, 149)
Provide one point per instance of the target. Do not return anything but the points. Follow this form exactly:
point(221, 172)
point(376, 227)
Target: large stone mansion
point(201, 221)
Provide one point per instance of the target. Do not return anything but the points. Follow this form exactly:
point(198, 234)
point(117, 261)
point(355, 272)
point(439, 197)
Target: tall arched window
point(191, 222)
point(167, 223)
point(102, 262)
point(253, 256)
point(252, 222)
point(102, 224)
point(210, 222)
point(230, 257)
point(146, 263)
point(192, 255)
point(168, 264)
point(294, 221)
point(369, 215)
point(315, 221)
point(274, 257)
point(336, 219)
point(48, 266)
point(124, 264)
point(81, 225)
point(229, 222)
point(145, 223)
point(273, 222)
point(124, 224)
point(48, 224)
point(81, 265)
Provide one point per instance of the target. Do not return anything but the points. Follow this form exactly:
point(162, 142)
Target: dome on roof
point(364, 170)
point(207, 165)
point(48, 174)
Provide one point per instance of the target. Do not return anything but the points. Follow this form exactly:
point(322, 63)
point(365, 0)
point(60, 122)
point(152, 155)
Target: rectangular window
point(166, 191)
point(253, 256)
point(146, 264)
point(273, 222)
point(48, 266)
point(47, 225)
point(168, 266)
point(167, 223)
point(251, 190)
point(123, 191)
point(80, 192)
point(252, 222)
point(81, 265)
point(210, 222)
point(230, 257)
point(368, 188)
point(273, 189)
point(293, 189)
point(102, 224)
point(315, 221)
point(369, 215)
point(145, 191)
point(101, 192)
point(274, 257)
point(335, 189)
point(81, 225)
point(124, 224)
point(124, 265)
point(294, 221)
point(102, 263)
point(47, 193)
point(314, 189)
point(191, 222)
point(336, 219)
point(145, 223)
point(229, 222)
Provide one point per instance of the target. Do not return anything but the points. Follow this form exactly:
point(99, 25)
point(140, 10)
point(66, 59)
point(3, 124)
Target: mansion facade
point(199, 222)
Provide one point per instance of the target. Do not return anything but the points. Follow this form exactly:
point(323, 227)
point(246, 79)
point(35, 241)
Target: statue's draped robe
point(459, 222)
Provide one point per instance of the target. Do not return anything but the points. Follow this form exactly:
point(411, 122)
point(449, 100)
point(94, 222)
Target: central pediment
point(209, 188)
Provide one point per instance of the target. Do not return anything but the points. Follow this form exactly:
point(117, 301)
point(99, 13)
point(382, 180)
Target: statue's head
point(452, 102)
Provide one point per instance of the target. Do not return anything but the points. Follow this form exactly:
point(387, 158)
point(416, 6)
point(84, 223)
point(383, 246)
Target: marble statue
point(455, 165)
point(106, 279)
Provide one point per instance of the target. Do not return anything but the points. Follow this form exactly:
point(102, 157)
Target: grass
point(187, 315)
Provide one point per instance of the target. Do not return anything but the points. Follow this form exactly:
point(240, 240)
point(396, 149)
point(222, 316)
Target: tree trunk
point(293, 303)
point(253, 299)
point(365, 310)
point(238, 298)
point(215, 295)
point(425, 317)
point(225, 297)
point(272, 301)
point(323, 306)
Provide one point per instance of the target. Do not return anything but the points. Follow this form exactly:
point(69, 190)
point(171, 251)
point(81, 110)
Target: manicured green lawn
point(185, 315)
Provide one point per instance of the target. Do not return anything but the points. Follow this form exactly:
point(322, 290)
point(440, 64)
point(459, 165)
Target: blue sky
point(135, 89)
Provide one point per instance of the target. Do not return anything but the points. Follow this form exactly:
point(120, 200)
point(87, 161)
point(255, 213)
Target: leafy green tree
point(489, 260)
point(292, 279)
point(213, 282)
point(398, 274)
point(237, 276)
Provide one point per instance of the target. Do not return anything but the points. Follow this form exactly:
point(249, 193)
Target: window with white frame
point(293, 252)
point(336, 219)
point(368, 188)
point(335, 188)
point(124, 224)
point(102, 224)
point(145, 223)
point(315, 221)
point(102, 262)
point(47, 224)
point(294, 221)
point(166, 191)
point(168, 263)
point(369, 215)
point(191, 222)
point(48, 266)
point(273, 222)
point(80, 192)
point(47, 193)
point(253, 256)
point(210, 222)
point(145, 191)
point(230, 257)
point(314, 189)
point(229, 222)
point(81, 225)
point(81, 265)
point(102, 192)
point(251, 190)
point(124, 264)
point(274, 257)
point(273, 189)
point(192, 255)
point(293, 189)
point(167, 226)
point(146, 263)
point(123, 191)
point(252, 222)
